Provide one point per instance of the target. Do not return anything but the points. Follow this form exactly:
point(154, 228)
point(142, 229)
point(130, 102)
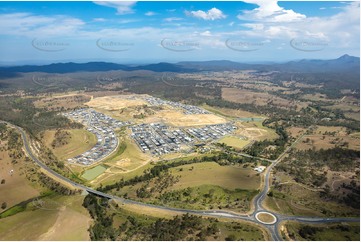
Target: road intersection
point(272, 227)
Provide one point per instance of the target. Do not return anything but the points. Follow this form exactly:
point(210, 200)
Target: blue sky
point(144, 32)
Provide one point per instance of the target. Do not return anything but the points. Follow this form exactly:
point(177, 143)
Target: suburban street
point(272, 227)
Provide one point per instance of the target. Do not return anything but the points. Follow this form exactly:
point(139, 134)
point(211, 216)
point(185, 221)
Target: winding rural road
point(272, 227)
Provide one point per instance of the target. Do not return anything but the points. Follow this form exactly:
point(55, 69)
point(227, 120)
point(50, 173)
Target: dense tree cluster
point(185, 227)
point(308, 167)
point(55, 186)
point(61, 137)
point(33, 120)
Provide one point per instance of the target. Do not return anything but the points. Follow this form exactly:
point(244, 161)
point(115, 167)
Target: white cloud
point(99, 20)
point(206, 33)
point(270, 11)
point(211, 14)
point(121, 6)
point(341, 30)
point(128, 21)
point(150, 13)
point(171, 19)
point(27, 24)
point(254, 26)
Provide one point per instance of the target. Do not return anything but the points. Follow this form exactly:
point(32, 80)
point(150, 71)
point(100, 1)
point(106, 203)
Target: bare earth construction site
point(162, 129)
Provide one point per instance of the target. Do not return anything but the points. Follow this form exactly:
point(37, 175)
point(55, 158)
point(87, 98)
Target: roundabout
point(266, 218)
point(260, 216)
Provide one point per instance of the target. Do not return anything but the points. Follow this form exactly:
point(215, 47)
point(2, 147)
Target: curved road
point(272, 228)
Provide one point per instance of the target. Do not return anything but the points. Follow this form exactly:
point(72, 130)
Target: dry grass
point(295, 131)
point(265, 217)
point(317, 97)
point(62, 101)
point(232, 113)
point(327, 142)
point(17, 187)
point(72, 222)
point(154, 212)
point(258, 98)
point(302, 200)
point(355, 116)
point(344, 107)
point(322, 140)
point(265, 87)
point(60, 218)
point(130, 160)
point(210, 173)
point(235, 142)
point(81, 140)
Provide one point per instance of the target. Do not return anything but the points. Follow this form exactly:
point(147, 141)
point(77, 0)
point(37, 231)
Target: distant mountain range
point(344, 63)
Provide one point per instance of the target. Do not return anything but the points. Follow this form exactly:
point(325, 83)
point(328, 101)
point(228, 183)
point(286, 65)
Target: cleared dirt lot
point(179, 119)
point(255, 131)
point(174, 117)
point(116, 102)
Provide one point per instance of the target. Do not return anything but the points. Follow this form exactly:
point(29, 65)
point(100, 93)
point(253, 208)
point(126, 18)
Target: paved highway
point(272, 228)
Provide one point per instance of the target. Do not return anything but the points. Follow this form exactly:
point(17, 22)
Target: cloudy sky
point(144, 32)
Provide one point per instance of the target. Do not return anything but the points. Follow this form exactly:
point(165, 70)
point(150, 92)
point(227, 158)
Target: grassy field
point(327, 142)
point(355, 116)
point(259, 98)
point(124, 164)
point(234, 142)
point(115, 172)
point(230, 113)
point(326, 232)
point(16, 187)
point(265, 218)
point(62, 101)
point(208, 197)
point(131, 158)
point(211, 173)
point(317, 97)
point(295, 131)
point(344, 107)
point(54, 218)
point(329, 137)
point(299, 200)
point(202, 186)
point(93, 172)
point(81, 140)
